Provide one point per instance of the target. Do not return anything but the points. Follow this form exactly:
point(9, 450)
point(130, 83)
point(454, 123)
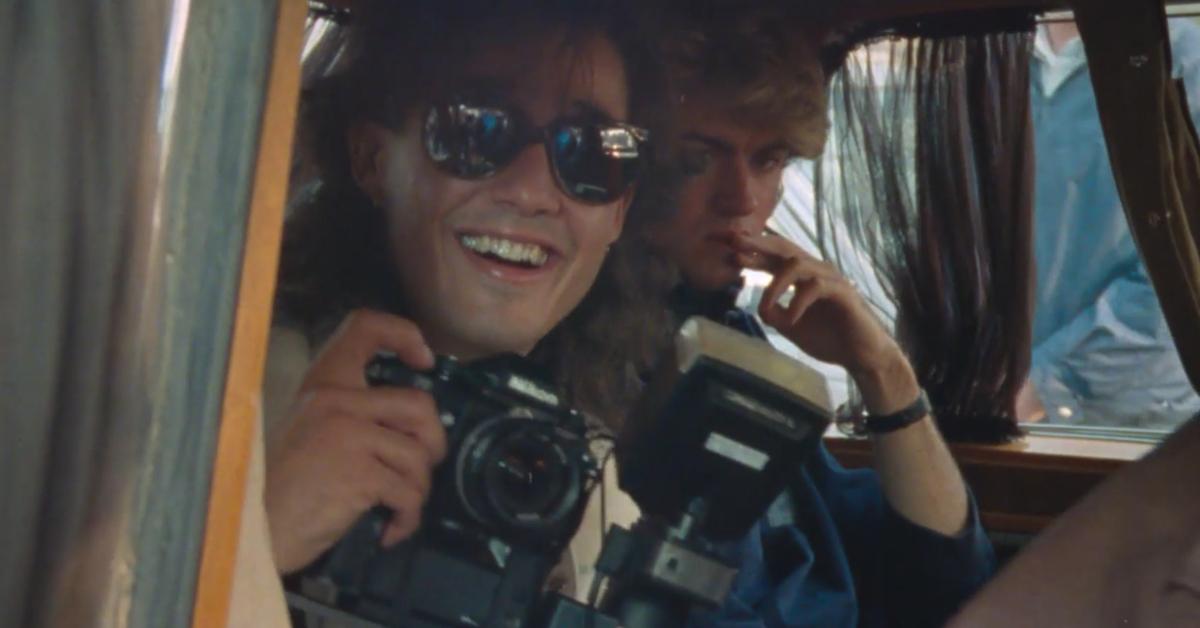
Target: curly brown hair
point(335, 255)
point(761, 61)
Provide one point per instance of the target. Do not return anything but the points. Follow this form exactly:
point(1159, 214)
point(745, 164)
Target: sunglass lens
point(594, 163)
point(469, 141)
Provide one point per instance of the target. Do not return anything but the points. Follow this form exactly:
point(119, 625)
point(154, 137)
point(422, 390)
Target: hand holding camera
point(712, 441)
point(351, 446)
point(501, 508)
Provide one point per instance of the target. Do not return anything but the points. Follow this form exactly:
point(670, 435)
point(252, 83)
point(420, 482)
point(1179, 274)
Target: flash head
point(724, 422)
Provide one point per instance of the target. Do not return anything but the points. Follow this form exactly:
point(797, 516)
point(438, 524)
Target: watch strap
point(883, 424)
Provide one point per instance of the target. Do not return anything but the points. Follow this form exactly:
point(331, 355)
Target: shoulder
point(1185, 46)
point(257, 599)
point(1184, 32)
point(289, 354)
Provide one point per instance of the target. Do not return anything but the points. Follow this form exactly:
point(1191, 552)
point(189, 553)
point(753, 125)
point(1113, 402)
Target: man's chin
point(714, 278)
point(501, 335)
point(480, 334)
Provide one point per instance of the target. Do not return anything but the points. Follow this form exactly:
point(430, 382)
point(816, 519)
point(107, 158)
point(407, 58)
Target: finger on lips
point(754, 261)
point(760, 258)
point(771, 245)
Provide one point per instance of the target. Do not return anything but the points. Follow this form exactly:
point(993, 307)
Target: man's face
point(734, 172)
point(471, 303)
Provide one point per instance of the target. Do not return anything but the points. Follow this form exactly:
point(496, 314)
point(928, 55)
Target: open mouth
point(504, 251)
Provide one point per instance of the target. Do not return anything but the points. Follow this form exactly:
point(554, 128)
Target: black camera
point(720, 429)
point(504, 504)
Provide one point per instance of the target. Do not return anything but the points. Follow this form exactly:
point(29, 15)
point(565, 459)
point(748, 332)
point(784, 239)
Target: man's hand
point(829, 320)
point(350, 447)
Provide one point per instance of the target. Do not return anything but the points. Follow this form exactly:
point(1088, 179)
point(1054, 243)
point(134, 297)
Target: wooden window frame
point(241, 406)
point(1020, 487)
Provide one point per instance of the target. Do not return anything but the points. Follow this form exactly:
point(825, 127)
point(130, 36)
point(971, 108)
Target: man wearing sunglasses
point(477, 166)
point(898, 546)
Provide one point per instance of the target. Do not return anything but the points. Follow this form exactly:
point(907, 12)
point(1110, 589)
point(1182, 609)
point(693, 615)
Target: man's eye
point(772, 161)
point(695, 163)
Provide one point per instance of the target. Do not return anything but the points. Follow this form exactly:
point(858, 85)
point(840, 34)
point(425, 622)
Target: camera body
point(716, 435)
point(503, 505)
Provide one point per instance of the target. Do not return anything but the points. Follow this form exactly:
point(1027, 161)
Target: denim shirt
point(1102, 353)
point(831, 552)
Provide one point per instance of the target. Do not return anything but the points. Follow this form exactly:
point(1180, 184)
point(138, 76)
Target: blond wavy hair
point(760, 63)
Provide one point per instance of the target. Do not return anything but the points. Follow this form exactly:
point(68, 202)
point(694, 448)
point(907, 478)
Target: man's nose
point(528, 183)
point(739, 193)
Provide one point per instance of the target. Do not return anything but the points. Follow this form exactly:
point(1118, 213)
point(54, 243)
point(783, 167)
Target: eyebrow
point(592, 109)
point(781, 145)
point(714, 143)
point(486, 86)
point(723, 146)
point(503, 88)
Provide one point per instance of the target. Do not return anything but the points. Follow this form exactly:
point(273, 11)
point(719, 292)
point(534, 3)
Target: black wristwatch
point(882, 424)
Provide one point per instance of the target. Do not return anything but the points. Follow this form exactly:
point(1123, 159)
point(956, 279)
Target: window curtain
point(929, 171)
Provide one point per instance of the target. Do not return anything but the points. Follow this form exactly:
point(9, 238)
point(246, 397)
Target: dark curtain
point(929, 169)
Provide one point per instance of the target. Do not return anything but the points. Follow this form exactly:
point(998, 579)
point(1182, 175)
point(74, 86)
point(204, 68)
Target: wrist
point(887, 386)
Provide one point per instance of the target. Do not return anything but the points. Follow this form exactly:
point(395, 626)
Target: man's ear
point(365, 142)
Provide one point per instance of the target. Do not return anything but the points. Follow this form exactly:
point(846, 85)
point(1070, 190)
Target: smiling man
point(477, 167)
point(897, 546)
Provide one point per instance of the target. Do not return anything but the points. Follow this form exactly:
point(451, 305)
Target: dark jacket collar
point(686, 301)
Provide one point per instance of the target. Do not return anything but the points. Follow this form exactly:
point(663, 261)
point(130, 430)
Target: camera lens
point(516, 474)
point(526, 476)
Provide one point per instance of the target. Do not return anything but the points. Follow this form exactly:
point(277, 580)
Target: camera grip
point(347, 561)
point(386, 369)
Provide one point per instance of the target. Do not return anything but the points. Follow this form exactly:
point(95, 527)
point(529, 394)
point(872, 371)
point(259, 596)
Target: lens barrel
point(523, 475)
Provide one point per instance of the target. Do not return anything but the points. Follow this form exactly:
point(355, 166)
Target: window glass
point(1102, 354)
point(1103, 360)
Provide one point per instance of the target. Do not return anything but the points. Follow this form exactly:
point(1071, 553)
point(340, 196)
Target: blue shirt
point(831, 552)
point(1102, 353)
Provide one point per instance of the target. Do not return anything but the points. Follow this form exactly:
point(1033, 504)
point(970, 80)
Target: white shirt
point(1059, 66)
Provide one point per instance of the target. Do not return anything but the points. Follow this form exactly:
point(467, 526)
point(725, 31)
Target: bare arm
point(257, 598)
point(920, 478)
point(829, 320)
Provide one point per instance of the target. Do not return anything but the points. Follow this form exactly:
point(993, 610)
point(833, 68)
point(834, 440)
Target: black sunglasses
point(594, 162)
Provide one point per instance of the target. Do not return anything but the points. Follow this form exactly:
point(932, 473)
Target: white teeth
point(506, 250)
